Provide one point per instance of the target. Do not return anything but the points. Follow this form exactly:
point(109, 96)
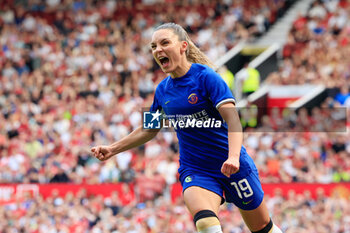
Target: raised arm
point(134, 139)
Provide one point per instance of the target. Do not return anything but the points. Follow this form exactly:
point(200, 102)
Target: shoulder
point(164, 82)
point(209, 75)
point(202, 68)
point(204, 72)
point(162, 85)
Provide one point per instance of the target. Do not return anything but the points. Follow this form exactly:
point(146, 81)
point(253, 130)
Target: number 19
point(243, 186)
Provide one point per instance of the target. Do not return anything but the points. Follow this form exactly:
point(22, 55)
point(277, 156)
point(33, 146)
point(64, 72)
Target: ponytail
point(193, 53)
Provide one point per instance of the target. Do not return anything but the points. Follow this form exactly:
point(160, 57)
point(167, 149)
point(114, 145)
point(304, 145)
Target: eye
point(153, 47)
point(165, 42)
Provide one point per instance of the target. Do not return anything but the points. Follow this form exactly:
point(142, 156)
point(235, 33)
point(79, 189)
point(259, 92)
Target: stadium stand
point(76, 73)
point(316, 51)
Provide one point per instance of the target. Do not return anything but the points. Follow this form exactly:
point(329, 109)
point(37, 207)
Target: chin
point(167, 71)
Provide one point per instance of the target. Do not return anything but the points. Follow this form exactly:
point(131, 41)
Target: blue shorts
point(246, 192)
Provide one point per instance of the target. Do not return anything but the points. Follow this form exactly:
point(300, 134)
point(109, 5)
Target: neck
point(181, 70)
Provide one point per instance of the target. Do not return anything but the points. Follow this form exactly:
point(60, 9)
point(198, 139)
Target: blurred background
point(75, 74)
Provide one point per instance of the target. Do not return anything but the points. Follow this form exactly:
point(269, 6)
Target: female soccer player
point(212, 160)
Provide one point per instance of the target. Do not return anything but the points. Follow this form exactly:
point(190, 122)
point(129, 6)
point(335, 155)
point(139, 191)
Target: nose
point(157, 50)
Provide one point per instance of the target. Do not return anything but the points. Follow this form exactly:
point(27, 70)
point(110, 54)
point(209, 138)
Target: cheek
point(174, 53)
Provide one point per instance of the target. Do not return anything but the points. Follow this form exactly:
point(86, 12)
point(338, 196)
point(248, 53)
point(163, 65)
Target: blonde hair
point(193, 53)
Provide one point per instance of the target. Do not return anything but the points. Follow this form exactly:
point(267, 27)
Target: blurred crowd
point(75, 74)
point(300, 157)
point(325, 118)
point(294, 213)
point(317, 51)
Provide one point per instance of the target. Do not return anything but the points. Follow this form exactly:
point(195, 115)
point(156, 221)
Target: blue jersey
point(199, 93)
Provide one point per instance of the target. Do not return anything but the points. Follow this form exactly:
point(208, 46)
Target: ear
point(184, 46)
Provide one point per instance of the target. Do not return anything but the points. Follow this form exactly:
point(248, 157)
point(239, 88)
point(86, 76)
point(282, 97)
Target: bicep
point(230, 115)
point(228, 112)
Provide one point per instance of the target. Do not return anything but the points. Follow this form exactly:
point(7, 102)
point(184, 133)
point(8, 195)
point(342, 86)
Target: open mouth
point(164, 61)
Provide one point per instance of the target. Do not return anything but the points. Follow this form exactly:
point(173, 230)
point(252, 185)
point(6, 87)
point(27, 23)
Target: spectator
point(294, 213)
point(65, 71)
point(343, 96)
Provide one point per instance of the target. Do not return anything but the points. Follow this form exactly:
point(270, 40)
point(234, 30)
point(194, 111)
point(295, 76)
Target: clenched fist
point(230, 166)
point(102, 152)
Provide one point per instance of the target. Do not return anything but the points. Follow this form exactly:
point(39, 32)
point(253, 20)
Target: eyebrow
point(153, 43)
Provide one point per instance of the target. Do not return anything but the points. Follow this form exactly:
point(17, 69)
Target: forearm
point(235, 140)
point(134, 139)
point(235, 134)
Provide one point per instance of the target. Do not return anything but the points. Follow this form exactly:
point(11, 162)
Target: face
point(168, 51)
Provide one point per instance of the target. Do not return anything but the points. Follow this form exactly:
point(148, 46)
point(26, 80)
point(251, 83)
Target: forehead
point(162, 34)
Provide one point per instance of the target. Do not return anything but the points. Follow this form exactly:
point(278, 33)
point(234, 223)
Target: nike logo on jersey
point(246, 203)
point(167, 102)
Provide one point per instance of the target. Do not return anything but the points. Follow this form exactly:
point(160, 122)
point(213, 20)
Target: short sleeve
point(156, 103)
point(217, 89)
